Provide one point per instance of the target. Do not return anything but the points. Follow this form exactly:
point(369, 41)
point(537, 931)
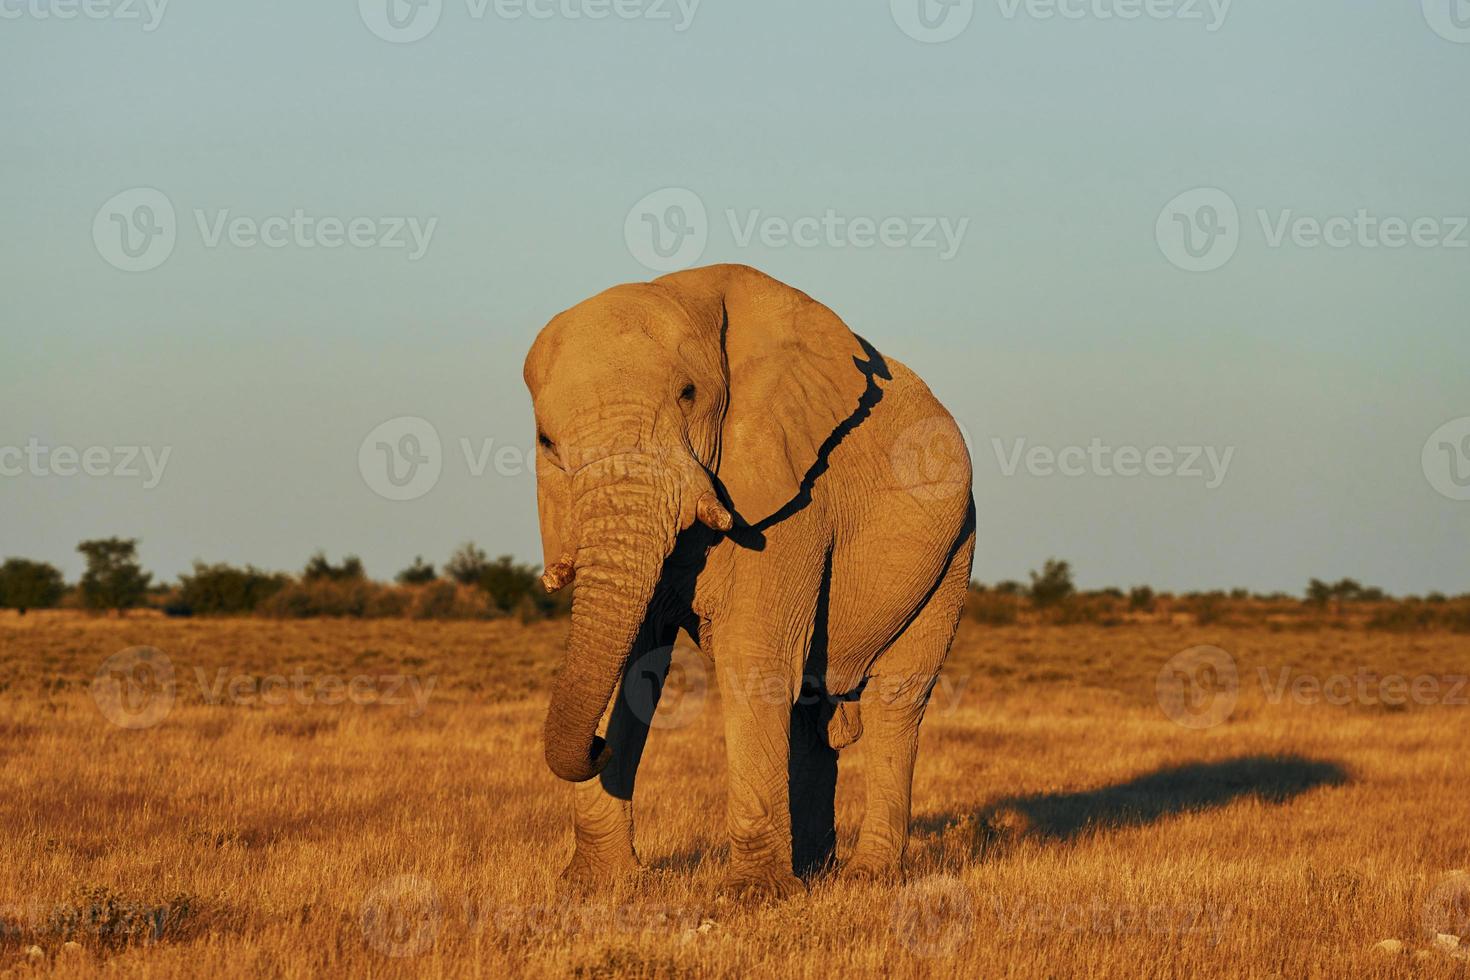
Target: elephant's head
point(703, 396)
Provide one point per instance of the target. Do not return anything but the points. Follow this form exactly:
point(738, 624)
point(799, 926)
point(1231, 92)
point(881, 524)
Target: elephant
point(717, 452)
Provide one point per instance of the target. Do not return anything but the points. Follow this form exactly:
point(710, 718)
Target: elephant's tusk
point(559, 575)
point(712, 514)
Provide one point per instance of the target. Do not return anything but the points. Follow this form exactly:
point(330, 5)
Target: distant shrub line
point(1053, 599)
point(473, 586)
point(476, 587)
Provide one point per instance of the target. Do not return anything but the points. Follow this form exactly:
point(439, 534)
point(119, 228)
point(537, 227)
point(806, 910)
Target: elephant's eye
point(546, 442)
point(687, 395)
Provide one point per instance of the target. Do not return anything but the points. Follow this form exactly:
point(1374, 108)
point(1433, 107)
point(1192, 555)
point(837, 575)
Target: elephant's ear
point(799, 379)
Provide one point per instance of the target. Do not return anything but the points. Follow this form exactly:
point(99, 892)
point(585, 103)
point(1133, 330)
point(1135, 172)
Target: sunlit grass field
point(318, 797)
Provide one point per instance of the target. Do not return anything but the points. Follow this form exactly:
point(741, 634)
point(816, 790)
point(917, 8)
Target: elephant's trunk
point(626, 523)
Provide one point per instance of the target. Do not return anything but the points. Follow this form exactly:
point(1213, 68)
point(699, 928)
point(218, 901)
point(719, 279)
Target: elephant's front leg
point(756, 696)
point(603, 818)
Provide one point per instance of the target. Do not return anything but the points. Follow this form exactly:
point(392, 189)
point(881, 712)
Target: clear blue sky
point(1060, 319)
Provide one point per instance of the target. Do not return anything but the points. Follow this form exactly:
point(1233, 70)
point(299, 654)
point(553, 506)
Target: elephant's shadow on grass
point(1189, 788)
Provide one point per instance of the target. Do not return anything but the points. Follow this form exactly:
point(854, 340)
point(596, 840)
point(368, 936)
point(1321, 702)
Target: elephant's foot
point(587, 872)
point(759, 884)
point(866, 868)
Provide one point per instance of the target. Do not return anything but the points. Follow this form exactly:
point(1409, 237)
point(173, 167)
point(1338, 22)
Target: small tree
point(1141, 599)
point(467, 565)
point(1318, 592)
point(113, 579)
point(29, 585)
point(318, 569)
point(1053, 584)
point(419, 573)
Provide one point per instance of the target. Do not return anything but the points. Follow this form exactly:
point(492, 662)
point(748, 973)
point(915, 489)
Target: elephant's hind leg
point(893, 703)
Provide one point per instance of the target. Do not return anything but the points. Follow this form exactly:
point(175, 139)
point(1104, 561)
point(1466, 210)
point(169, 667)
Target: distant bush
point(1412, 616)
point(467, 565)
point(1208, 607)
point(1320, 593)
point(324, 597)
point(449, 600)
point(318, 569)
point(419, 573)
point(29, 585)
point(508, 583)
point(1141, 599)
point(1052, 584)
point(991, 607)
point(223, 589)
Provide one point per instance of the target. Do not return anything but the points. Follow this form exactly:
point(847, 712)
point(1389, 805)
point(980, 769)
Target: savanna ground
point(1065, 824)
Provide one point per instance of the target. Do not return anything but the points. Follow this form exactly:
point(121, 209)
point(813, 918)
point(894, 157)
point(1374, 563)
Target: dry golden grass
point(1064, 825)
